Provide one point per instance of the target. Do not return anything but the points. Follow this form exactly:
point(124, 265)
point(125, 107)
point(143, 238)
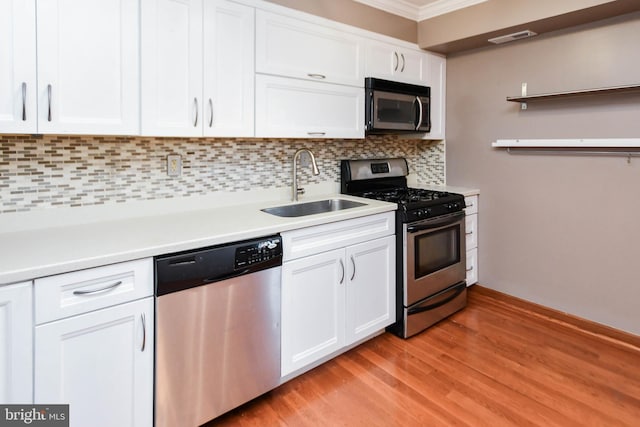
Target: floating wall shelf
point(569, 143)
point(524, 98)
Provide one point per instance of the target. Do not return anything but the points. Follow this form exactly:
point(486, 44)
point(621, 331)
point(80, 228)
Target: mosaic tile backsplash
point(50, 171)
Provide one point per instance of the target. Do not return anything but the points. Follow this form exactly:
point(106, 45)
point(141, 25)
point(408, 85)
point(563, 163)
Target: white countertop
point(58, 247)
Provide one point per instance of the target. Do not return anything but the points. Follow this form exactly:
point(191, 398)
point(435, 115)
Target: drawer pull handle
point(317, 76)
point(468, 233)
point(470, 205)
point(470, 268)
point(100, 290)
point(144, 332)
point(342, 278)
point(316, 133)
point(49, 103)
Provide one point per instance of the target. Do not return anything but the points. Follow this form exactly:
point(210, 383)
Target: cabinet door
point(370, 304)
point(228, 69)
point(472, 266)
point(312, 308)
point(18, 67)
point(295, 48)
point(88, 72)
point(101, 364)
point(16, 348)
point(437, 80)
point(301, 109)
point(387, 61)
point(172, 103)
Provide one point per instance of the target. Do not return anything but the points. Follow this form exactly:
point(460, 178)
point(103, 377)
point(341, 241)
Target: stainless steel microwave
point(394, 107)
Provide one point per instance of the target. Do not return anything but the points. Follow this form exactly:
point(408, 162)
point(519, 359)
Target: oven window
point(437, 250)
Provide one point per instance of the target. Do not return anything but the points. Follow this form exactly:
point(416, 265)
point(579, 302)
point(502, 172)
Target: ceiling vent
point(513, 36)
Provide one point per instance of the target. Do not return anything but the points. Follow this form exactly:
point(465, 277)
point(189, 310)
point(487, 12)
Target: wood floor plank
point(499, 362)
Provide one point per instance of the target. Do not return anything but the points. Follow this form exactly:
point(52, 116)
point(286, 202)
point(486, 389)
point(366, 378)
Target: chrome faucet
point(314, 165)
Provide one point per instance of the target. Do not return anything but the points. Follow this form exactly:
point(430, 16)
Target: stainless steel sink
point(312, 208)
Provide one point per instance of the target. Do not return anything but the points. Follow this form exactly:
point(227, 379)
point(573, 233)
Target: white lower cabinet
point(471, 238)
point(16, 344)
point(94, 344)
point(101, 364)
point(339, 296)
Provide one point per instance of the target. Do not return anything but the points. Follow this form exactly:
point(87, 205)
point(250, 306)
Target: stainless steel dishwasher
point(218, 329)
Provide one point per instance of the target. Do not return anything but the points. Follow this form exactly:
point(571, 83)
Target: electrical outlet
point(174, 165)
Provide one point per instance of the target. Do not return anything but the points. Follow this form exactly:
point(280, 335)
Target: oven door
point(434, 255)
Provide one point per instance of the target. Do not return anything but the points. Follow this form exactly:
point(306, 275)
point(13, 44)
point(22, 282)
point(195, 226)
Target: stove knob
point(427, 212)
point(420, 213)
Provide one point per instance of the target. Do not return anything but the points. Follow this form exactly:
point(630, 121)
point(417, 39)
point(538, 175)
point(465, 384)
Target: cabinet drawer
point(471, 230)
point(472, 266)
point(326, 237)
point(82, 291)
point(472, 205)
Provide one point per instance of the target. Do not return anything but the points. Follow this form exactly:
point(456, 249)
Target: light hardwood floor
point(499, 362)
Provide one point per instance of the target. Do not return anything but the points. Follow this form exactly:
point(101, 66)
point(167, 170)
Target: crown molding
point(419, 13)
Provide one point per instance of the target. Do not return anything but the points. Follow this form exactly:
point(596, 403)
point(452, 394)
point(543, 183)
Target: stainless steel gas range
point(430, 233)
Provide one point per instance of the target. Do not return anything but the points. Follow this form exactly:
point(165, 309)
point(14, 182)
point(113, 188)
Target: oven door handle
point(436, 223)
point(435, 305)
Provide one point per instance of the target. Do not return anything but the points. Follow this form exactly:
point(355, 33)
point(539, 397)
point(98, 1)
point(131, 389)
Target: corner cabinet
point(338, 288)
point(16, 344)
point(94, 344)
point(197, 68)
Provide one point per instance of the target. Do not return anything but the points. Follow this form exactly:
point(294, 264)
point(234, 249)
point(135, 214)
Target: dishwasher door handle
point(225, 276)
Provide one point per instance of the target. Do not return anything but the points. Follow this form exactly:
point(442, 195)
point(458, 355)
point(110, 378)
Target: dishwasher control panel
point(258, 252)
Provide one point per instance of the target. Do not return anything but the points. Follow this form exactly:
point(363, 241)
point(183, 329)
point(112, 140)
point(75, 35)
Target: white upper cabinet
point(197, 68)
point(88, 72)
point(436, 78)
point(390, 62)
point(172, 67)
point(292, 47)
point(18, 66)
point(294, 108)
point(228, 69)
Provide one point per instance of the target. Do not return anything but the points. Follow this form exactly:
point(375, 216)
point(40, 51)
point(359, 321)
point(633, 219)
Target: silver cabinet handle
point(195, 105)
point(468, 233)
point(419, 112)
point(24, 101)
point(100, 290)
point(470, 268)
point(144, 332)
point(402, 56)
point(470, 205)
point(49, 108)
point(316, 133)
point(316, 76)
point(342, 266)
point(211, 112)
point(353, 261)
point(397, 61)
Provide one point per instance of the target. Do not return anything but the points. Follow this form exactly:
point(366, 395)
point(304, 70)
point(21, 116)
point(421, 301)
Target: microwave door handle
point(419, 112)
point(436, 223)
